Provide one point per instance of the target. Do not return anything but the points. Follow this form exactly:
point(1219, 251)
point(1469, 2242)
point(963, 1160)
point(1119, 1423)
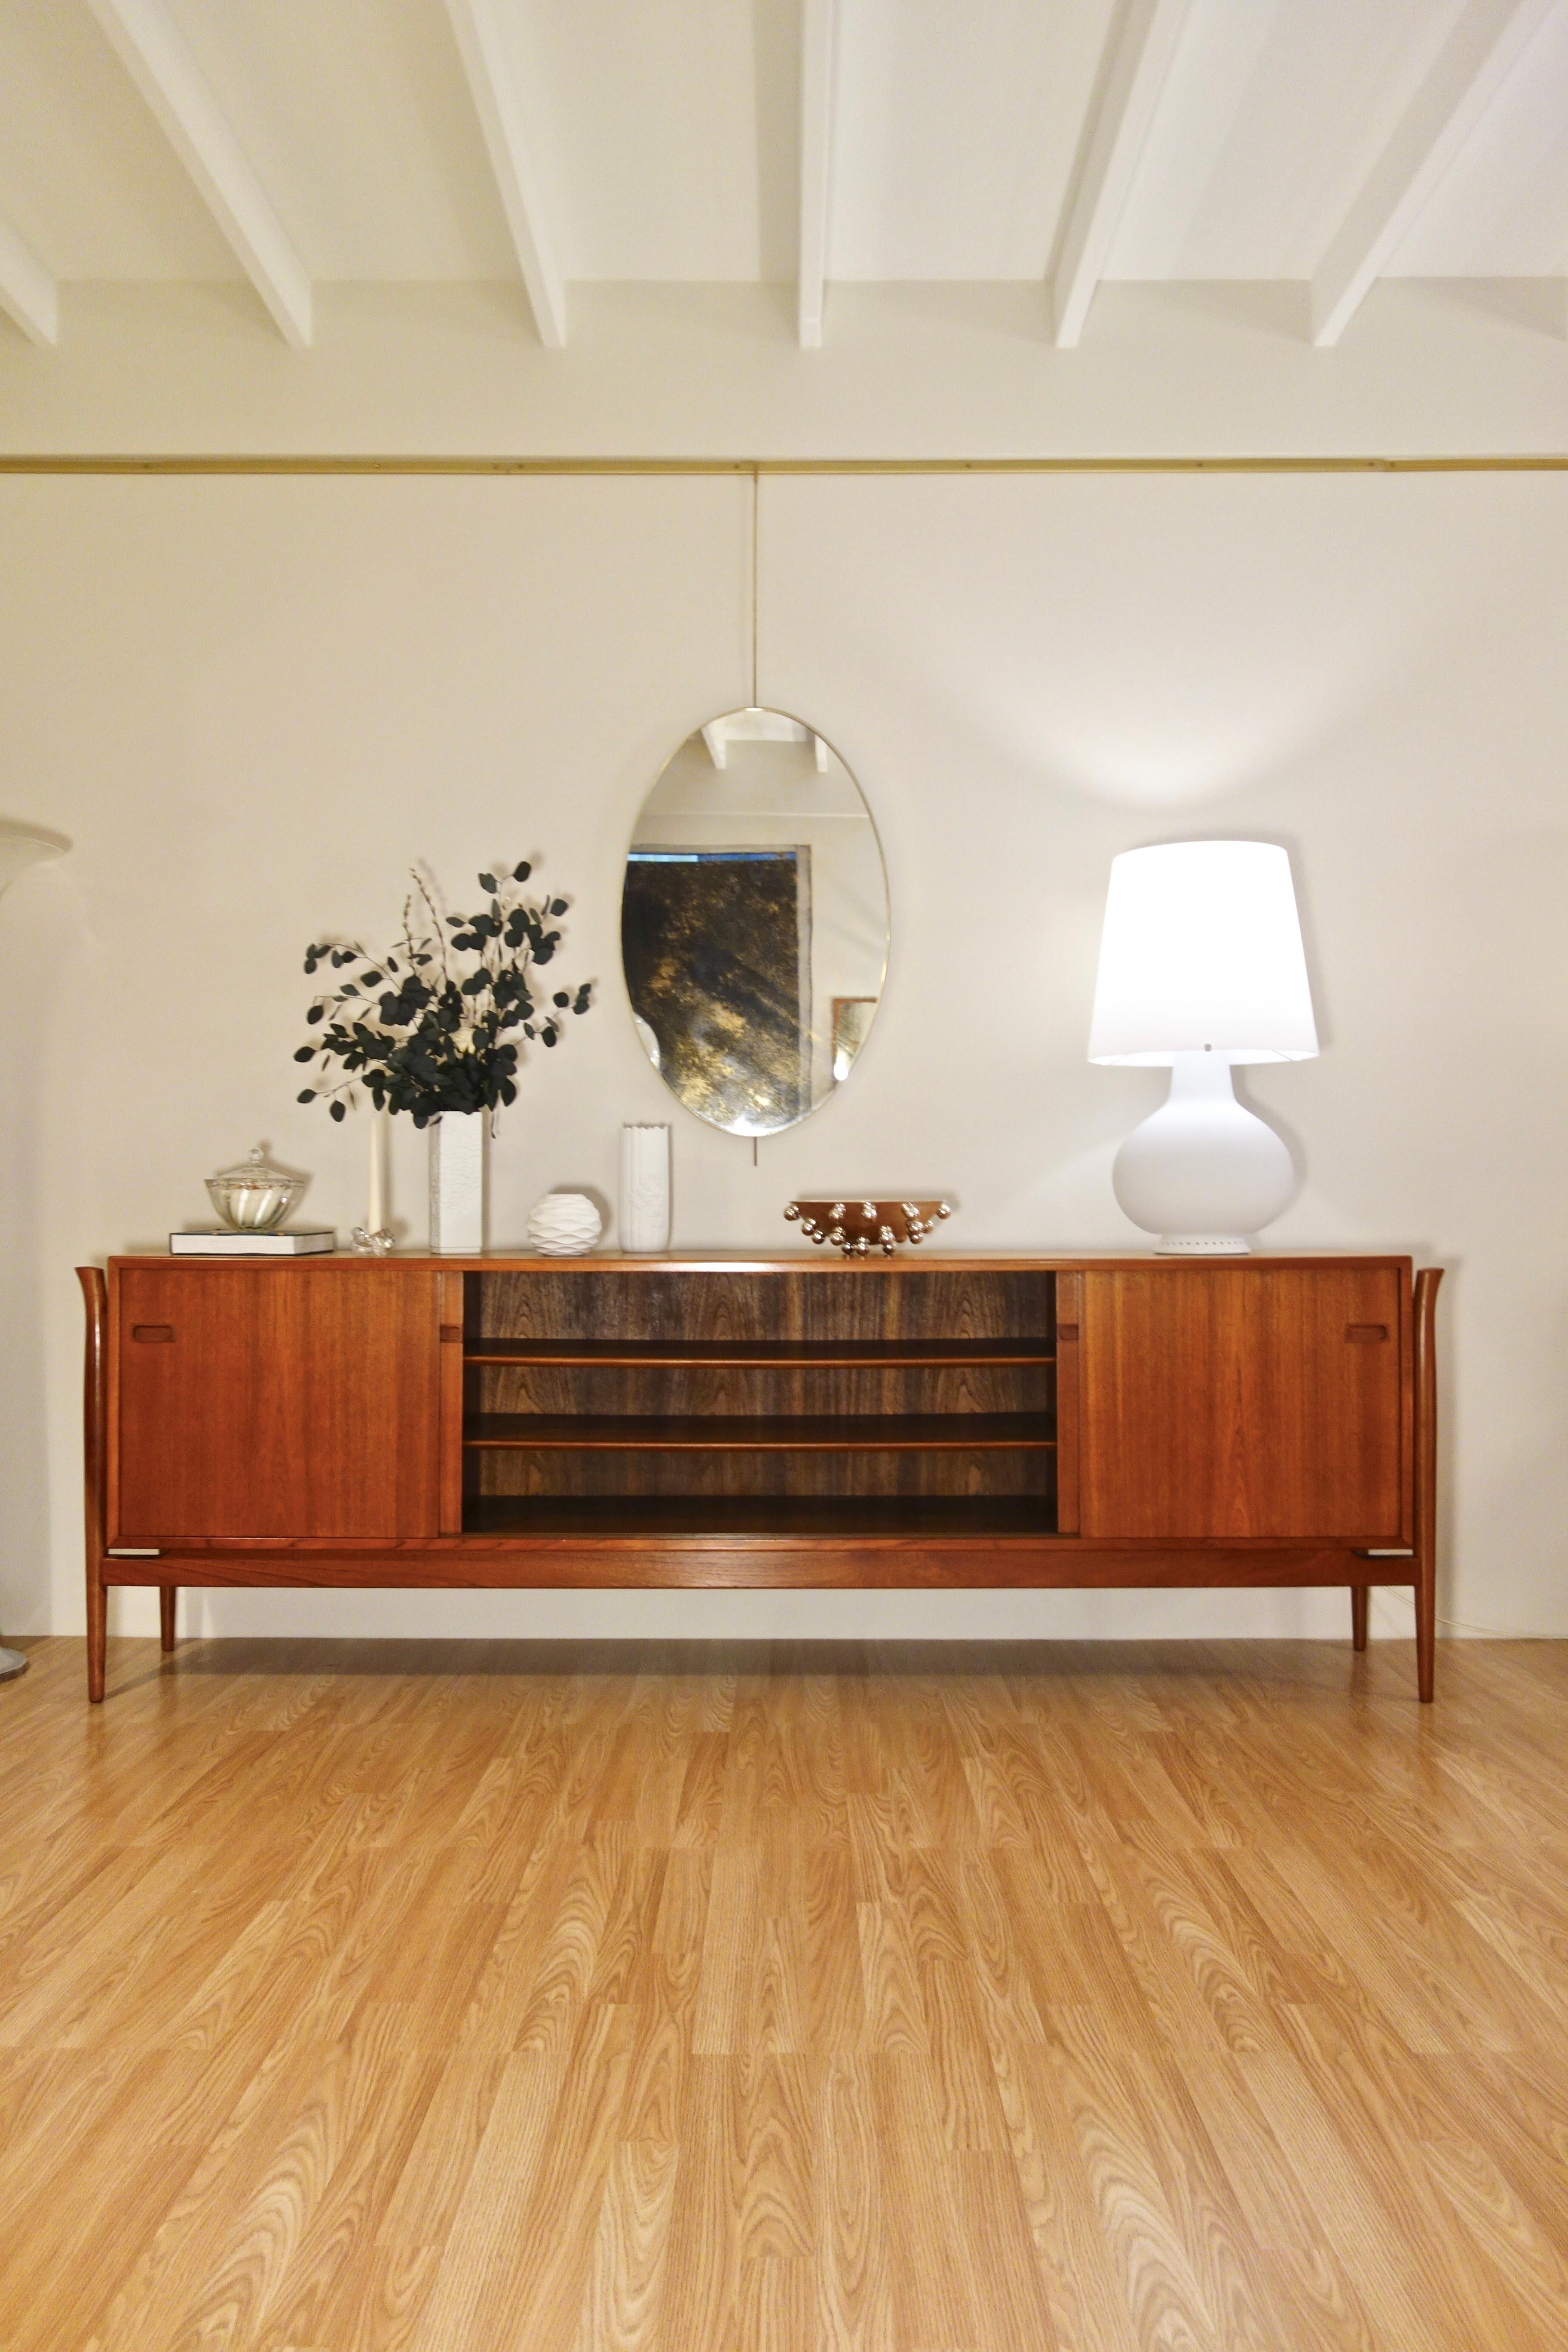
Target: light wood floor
point(934, 2001)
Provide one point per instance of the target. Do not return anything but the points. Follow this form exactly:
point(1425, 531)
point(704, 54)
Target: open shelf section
point(759, 1434)
point(817, 1400)
point(788, 1518)
point(771, 1355)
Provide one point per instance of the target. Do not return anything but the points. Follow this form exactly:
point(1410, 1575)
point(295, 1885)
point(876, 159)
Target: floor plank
point(662, 1998)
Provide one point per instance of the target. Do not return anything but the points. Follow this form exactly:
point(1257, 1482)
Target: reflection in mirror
point(755, 923)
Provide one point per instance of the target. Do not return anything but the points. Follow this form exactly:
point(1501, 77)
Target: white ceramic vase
point(458, 1184)
point(644, 1190)
point(564, 1225)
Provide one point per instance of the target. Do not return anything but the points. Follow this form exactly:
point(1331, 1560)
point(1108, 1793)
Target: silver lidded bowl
point(253, 1196)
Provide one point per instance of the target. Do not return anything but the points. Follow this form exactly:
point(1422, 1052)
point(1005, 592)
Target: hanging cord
point(756, 537)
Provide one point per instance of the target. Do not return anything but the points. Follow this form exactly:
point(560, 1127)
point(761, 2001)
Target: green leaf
point(520, 872)
point(305, 1053)
point(489, 882)
point(561, 998)
point(557, 906)
point(314, 1014)
point(339, 1110)
point(309, 1095)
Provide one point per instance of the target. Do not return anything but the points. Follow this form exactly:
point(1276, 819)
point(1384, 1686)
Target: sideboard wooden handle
point(1067, 1330)
point(1368, 1334)
point(153, 1335)
point(451, 1335)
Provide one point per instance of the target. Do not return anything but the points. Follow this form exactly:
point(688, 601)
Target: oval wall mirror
point(754, 922)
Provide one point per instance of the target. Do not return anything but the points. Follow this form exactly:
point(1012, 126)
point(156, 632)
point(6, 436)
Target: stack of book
point(227, 1241)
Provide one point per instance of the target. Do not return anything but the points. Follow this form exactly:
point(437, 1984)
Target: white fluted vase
point(458, 1184)
point(644, 1190)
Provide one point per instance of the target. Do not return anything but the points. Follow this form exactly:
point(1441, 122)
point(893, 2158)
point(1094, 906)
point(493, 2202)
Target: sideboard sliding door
point(1246, 1401)
point(269, 1401)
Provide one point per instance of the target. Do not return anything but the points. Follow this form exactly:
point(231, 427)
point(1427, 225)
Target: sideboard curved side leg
point(95, 1296)
point(1425, 1469)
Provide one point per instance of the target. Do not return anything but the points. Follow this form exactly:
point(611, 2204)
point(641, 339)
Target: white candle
point(376, 1215)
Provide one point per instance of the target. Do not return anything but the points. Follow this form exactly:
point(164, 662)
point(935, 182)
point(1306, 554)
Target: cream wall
point(251, 702)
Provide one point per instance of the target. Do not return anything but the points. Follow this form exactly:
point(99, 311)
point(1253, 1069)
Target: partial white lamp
point(1201, 967)
point(22, 846)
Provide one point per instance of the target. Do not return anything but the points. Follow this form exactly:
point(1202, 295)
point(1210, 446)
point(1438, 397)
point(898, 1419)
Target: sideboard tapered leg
point(1360, 1596)
point(168, 1596)
point(1425, 1304)
point(97, 1633)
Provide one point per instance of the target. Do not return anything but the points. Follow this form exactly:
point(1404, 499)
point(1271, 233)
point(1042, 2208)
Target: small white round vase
point(564, 1225)
point(1203, 1173)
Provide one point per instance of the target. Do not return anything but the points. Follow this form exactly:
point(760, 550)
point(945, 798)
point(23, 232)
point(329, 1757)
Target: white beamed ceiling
point(664, 137)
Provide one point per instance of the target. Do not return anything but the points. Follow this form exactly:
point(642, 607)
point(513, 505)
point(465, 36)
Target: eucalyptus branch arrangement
point(435, 1025)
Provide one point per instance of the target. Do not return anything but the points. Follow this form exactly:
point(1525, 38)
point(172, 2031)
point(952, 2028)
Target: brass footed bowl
point(859, 1227)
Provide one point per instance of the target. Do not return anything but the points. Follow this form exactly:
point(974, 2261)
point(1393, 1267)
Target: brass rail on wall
point(753, 468)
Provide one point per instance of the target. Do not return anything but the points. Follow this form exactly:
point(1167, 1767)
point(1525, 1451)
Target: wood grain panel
point(718, 1352)
point(822, 1300)
point(1229, 1400)
point(452, 1295)
point(288, 1402)
point(1068, 1289)
point(549, 1545)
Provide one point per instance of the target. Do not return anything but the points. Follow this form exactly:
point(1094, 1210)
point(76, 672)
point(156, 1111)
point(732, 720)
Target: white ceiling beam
point(505, 139)
point(1145, 41)
point(818, 30)
point(1480, 52)
point(152, 48)
point(27, 293)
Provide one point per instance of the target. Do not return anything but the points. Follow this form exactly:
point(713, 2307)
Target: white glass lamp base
point(1203, 1173)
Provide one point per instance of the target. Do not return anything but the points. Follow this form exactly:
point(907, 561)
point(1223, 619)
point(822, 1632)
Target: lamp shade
point(1202, 952)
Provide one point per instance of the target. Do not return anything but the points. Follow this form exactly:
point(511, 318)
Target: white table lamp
point(1201, 967)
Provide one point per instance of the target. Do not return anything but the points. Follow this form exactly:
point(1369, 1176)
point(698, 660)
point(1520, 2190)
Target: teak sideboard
point(939, 1420)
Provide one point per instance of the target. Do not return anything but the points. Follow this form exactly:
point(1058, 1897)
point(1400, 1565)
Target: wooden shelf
point(764, 1434)
point(788, 1518)
point(773, 1355)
